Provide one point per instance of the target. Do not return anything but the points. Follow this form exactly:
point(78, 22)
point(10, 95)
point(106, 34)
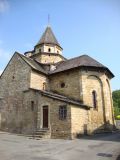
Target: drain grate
point(104, 155)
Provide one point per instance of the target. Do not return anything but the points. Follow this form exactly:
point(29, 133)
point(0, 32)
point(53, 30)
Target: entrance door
point(45, 116)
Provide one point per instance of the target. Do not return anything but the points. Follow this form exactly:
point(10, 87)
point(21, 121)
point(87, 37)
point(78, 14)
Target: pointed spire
point(48, 37)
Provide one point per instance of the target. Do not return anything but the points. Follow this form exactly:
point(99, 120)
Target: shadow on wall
point(101, 133)
point(118, 158)
point(118, 124)
point(106, 128)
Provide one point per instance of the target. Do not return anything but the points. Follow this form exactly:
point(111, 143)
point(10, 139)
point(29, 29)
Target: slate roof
point(48, 37)
point(81, 61)
point(61, 98)
point(32, 63)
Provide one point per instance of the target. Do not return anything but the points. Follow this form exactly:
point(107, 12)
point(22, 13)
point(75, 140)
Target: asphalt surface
point(100, 147)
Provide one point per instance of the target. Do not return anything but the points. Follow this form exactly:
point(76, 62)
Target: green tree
point(116, 102)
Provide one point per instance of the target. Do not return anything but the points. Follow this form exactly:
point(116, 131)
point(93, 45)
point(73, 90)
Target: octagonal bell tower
point(47, 50)
point(48, 43)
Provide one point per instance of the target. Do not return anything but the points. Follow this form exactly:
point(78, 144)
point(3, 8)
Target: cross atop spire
point(48, 20)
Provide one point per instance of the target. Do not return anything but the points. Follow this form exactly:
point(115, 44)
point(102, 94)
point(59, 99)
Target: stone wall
point(118, 124)
point(74, 125)
point(30, 112)
point(48, 58)
point(71, 81)
point(79, 121)
point(46, 47)
point(102, 114)
point(108, 101)
point(58, 128)
point(39, 81)
point(15, 79)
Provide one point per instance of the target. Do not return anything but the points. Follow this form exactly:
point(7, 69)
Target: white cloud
point(4, 6)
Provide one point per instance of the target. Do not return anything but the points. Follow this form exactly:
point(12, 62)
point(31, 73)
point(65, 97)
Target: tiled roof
point(48, 37)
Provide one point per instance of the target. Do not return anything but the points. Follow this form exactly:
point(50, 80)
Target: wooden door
point(45, 116)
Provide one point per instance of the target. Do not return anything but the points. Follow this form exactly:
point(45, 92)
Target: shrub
point(118, 117)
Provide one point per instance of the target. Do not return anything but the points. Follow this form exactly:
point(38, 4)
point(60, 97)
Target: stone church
point(43, 93)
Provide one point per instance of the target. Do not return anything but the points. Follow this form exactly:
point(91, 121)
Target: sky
point(89, 27)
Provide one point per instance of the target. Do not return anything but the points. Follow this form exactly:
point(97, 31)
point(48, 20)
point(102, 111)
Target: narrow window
point(62, 112)
point(39, 50)
point(44, 86)
point(94, 98)
point(13, 77)
point(62, 85)
point(49, 50)
point(32, 105)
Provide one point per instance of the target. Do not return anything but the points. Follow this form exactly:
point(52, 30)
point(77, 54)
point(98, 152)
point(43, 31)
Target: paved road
point(102, 147)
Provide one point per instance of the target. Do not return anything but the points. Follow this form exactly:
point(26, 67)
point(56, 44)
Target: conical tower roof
point(48, 37)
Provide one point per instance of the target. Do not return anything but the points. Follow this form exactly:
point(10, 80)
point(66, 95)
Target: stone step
point(42, 133)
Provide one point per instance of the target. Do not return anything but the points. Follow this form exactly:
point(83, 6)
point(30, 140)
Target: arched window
point(94, 99)
point(44, 86)
point(49, 50)
point(32, 106)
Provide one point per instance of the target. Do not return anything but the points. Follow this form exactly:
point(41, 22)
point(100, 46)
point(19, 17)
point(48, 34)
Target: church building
point(44, 94)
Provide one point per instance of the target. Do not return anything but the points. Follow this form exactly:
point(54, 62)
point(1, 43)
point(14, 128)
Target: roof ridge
point(84, 55)
point(76, 57)
point(80, 61)
point(72, 59)
point(35, 65)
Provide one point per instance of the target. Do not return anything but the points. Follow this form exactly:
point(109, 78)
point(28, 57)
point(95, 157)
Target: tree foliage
point(116, 102)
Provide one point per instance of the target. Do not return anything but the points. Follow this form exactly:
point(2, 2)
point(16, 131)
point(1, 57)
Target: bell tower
point(47, 50)
point(48, 43)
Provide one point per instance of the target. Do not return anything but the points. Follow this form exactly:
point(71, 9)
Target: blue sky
point(89, 27)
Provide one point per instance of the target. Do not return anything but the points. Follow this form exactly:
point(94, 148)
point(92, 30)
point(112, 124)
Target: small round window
point(62, 85)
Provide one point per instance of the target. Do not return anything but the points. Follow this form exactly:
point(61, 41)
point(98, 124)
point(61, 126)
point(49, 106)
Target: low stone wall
point(118, 124)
